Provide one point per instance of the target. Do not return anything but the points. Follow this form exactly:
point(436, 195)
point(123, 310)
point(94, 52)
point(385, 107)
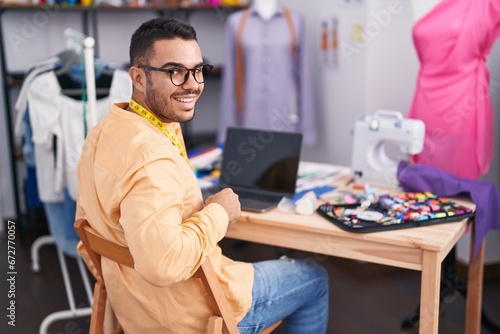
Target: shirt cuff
point(221, 216)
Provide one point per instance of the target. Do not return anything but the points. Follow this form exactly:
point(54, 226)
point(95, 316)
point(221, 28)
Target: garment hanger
point(104, 68)
point(71, 59)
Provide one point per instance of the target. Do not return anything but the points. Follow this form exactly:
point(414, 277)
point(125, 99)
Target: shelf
point(166, 6)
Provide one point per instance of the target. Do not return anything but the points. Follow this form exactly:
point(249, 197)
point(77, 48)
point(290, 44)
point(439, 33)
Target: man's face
point(169, 102)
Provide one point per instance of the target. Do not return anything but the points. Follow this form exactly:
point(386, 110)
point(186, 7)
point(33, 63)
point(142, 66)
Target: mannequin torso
point(421, 7)
point(265, 8)
point(453, 38)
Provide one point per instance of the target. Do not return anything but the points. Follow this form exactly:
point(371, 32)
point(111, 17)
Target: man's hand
point(229, 201)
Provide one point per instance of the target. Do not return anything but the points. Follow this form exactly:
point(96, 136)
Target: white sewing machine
point(382, 140)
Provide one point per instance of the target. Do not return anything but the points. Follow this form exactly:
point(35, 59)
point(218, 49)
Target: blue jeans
point(293, 290)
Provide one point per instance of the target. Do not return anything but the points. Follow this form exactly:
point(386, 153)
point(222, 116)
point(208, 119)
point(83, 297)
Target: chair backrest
point(96, 246)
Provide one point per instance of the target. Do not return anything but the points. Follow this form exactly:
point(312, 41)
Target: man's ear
point(138, 77)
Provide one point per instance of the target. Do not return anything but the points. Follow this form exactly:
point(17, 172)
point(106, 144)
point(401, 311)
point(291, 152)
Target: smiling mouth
point(184, 99)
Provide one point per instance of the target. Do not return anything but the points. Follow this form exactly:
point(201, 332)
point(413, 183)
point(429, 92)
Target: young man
point(136, 188)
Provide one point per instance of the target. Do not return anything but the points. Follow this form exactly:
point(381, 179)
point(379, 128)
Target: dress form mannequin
point(421, 7)
point(267, 82)
point(266, 8)
point(452, 95)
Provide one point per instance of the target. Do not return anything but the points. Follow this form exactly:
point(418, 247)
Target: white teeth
point(185, 100)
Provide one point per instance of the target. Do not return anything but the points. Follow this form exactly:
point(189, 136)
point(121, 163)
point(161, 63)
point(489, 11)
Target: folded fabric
point(485, 195)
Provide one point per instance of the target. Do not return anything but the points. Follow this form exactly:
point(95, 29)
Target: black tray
point(406, 210)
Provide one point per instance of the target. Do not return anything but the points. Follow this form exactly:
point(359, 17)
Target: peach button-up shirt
point(136, 189)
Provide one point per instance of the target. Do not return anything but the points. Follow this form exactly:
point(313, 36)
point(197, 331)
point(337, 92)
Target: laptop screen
point(261, 159)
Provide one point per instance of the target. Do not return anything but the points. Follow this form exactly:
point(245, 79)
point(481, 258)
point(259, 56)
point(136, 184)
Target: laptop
point(261, 166)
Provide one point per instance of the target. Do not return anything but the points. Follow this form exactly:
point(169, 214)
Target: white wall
point(339, 91)
point(392, 63)
point(376, 73)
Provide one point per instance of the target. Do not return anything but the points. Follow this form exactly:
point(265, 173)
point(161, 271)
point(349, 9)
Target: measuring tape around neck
point(140, 110)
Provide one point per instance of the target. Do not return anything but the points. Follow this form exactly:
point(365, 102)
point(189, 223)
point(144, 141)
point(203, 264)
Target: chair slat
point(109, 249)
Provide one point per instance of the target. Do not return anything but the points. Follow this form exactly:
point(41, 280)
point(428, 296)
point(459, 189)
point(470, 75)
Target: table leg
point(429, 294)
point(474, 288)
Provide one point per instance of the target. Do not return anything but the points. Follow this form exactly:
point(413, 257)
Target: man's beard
point(162, 107)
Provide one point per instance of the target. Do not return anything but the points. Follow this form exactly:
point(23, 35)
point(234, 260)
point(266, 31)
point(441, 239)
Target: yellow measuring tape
point(140, 110)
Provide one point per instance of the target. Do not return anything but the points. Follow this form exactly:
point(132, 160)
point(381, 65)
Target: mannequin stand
point(451, 284)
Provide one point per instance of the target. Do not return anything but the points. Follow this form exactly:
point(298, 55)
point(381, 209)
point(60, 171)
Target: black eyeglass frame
point(206, 73)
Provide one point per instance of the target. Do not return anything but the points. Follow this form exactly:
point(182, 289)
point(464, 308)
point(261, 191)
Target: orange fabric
point(293, 36)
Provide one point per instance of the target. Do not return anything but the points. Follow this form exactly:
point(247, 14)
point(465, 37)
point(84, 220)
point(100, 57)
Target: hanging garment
point(239, 67)
point(64, 63)
point(57, 124)
point(22, 98)
point(277, 87)
point(452, 96)
point(53, 114)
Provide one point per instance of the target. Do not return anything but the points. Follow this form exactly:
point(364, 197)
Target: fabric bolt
point(452, 95)
point(278, 88)
point(137, 190)
point(485, 195)
point(280, 288)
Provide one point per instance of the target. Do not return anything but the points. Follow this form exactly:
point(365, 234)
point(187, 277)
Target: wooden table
point(422, 249)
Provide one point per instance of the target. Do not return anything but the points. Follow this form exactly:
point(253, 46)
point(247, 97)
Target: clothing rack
point(78, 43)
point(88, 54)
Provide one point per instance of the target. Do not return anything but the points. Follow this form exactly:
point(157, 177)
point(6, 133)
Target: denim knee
point(314, 269)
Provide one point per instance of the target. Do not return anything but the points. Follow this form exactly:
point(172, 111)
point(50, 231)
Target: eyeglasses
point(180, 74)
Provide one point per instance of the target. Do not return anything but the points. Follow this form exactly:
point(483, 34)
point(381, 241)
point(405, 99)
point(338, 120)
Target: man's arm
point(169, 235)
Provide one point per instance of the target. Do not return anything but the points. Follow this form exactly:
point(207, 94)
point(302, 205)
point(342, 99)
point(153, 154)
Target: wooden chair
point(221, 322)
